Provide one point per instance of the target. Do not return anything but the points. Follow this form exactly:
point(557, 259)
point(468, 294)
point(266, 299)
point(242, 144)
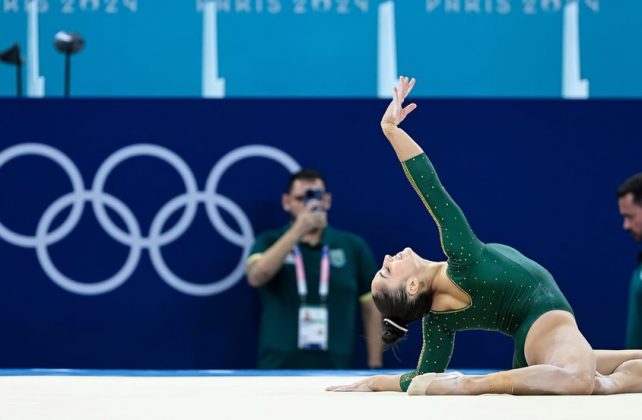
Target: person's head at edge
point(630, 205)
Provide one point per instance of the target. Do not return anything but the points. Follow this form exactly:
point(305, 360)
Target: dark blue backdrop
point(538, 175)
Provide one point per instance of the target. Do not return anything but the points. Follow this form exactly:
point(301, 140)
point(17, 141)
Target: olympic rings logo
point(132, 236)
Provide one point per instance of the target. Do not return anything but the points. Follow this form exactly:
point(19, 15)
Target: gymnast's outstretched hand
point(364, 385)
point(405, 147)
point(370, 384)
point(396, 113)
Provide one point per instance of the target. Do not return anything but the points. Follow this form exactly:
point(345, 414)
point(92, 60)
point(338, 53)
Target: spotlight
point(68, 43)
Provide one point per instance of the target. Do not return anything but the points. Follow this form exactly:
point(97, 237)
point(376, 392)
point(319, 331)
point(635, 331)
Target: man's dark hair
point(397, 307)
point(633, 186)
point(308, 174)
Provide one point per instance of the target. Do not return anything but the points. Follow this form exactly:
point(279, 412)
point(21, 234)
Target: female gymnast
point(481, 286)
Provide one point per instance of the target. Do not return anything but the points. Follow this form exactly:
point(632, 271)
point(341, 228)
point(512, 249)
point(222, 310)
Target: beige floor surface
point(276, 397)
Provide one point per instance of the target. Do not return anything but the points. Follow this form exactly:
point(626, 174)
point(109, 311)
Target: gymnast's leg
point(609, 360)
point(618, 371)
point(560, 360)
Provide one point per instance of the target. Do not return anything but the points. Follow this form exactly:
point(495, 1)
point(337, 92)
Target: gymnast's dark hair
point(396, 306)
point(632, 185)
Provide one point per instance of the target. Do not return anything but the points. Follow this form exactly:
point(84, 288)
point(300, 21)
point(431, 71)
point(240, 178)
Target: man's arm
point(372, 328)
point(262, 267)
point(261, 270)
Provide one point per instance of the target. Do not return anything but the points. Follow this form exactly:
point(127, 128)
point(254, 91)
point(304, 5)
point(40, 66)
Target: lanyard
point(324, 275)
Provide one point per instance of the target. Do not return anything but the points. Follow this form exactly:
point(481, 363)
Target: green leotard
point(507, 291)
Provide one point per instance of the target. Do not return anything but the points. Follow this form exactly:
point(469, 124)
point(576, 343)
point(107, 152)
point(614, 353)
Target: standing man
point(630, 204)
point(311, 279)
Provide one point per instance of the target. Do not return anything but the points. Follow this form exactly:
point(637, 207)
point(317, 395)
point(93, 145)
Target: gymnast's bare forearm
point(386, 383)
point(404, 145)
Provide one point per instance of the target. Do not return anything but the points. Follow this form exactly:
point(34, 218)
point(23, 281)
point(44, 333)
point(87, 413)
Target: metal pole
point(35, 82)
point(386, 50)
point(212, 85)
point(19, 79)
point(573, 86)
point(67, 74)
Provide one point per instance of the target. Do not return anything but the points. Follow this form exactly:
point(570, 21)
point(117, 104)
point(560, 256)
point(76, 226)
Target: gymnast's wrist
point(384, 383)
point(388, 126)
point(375, 383)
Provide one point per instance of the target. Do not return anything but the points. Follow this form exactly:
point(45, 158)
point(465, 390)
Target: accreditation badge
point(313, 327)
point(338, 258)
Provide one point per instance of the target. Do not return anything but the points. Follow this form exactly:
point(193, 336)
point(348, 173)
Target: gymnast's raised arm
point(458, 241)
point(401, 142)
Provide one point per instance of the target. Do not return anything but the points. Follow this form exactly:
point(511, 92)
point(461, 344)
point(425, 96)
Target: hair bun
point(393, 331)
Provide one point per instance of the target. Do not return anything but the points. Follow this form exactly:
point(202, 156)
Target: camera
point(314, 194)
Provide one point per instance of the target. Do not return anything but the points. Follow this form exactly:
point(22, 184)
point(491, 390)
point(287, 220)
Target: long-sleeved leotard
point(507, 291)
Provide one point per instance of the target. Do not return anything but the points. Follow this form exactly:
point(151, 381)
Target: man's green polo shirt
point(634, 324)
point(352, 268)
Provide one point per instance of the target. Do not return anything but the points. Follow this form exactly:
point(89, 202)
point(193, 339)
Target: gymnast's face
point(632, 216)
point(395, 271)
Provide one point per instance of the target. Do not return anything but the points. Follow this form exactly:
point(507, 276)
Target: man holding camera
point(311, 279)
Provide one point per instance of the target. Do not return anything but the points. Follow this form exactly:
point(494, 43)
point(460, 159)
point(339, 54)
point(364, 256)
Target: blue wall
point(538, 175)
point(327, 48)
